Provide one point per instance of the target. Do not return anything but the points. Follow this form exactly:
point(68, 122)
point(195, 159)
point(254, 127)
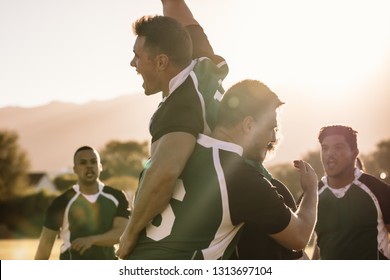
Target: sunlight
point(328, 48)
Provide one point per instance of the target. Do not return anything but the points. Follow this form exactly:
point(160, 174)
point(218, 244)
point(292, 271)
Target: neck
point(89, 188)
point(169, 74)
point(342, 180)
point(223, 134)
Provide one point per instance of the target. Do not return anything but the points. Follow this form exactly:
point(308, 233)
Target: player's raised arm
point(178, 10)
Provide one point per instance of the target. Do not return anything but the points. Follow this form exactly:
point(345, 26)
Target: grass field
point(24, 249)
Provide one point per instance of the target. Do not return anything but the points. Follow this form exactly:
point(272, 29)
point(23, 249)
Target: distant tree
point(14, 165)
point(128, 184)
point(378, 162)
point(123, 158)
point(65, 181)
point(125, 183)
point(289, 175)
point(314, 159)
point(23, 216)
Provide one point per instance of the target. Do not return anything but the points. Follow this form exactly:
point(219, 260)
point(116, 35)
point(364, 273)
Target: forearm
point(169, 156)
point(178, 10)
point(43, 252)
point(152, 198)
point(107, 239)
point(307, 214)
point(46, 243)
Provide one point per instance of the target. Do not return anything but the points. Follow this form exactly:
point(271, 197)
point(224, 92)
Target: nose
point(273, 136)
point(331, 152)
point(132, 62)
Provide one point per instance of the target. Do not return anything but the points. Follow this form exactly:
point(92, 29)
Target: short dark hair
point(347, 132)
point(84, 148)
point(165, 35)
point(246, 98)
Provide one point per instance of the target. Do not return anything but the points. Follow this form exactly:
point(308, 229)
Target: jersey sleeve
point(181, 112)
point(382, 192)
point(55, 213)
point(289, 199)
point(257, 202)
point(210, 70)
point(123, 206)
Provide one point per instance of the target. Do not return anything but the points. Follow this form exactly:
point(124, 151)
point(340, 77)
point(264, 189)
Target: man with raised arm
point(173, 56)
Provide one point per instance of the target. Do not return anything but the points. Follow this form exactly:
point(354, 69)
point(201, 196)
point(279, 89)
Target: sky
point(328, 60)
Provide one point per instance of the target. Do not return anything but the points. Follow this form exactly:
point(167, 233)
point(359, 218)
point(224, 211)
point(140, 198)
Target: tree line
point(22, 211)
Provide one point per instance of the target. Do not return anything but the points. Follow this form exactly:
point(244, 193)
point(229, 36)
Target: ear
point(100, 167)
point(247, 124)
point(162, 62)
point(355, 152)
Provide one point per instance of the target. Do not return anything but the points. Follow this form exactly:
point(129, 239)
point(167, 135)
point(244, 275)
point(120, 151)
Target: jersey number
point(167, 216)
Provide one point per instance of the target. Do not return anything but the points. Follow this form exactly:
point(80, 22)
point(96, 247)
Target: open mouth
point(331, 163)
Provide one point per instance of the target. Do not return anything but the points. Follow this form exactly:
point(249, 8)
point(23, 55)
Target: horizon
point(329, 61)
point(37, 138)
point(51, 52)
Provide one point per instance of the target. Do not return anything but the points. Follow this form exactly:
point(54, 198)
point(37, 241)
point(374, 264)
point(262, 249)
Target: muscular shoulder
point(120, 200)
point(63, 199)
point(381, 190)
point(374, 183)
point(252, 198)
point(56, 210)
point(180, 112)
point(117, 194)
point(113, 191)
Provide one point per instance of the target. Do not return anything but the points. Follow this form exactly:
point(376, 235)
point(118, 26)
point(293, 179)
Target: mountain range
point(51, 133)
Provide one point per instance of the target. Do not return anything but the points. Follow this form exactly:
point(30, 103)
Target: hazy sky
point(328, 60)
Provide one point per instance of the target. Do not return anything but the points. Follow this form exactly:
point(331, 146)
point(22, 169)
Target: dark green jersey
point(351, 221)
point(194, 94)
point(216, 193)
point(254, 244)
point(76, 215)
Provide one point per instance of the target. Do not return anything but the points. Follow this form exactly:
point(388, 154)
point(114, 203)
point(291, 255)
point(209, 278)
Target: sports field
point(24, 249)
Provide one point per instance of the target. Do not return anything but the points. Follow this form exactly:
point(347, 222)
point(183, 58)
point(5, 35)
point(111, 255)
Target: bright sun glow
point(328, 60)
point(329, 48)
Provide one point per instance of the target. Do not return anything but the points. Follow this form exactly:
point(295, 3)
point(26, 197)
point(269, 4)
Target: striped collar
point(176, 81)
point(209, 142)
point(340, 192)
point(90, 197)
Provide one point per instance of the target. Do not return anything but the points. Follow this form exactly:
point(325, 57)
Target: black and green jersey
point(351, 221)
point(76, 215)
point(216, 193)
point(195, 93)
point(254, 243)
